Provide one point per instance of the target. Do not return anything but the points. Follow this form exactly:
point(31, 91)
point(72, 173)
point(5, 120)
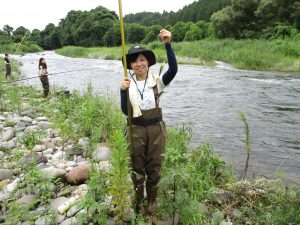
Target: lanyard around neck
point(141, 92)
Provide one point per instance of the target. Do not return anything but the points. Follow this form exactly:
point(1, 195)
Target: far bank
point(274, 55)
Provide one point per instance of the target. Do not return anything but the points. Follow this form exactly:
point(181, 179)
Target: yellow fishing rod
point(23, 38)
point(21, 42)
point(125, 73)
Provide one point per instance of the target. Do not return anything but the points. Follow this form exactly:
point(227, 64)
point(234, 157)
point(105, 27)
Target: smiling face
point(140, 67)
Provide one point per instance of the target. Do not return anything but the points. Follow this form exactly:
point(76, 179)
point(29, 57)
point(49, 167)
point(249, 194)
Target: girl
point(44, 76)
point(148, 128)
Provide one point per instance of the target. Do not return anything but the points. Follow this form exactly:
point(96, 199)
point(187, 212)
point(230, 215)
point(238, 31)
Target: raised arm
point(169, 75)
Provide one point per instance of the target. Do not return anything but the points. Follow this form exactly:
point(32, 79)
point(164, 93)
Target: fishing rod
point(49, 74)
point(23, 38)
point(21, 42)
point(125, 74)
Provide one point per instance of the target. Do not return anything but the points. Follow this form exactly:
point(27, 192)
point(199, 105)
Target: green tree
point(237, 20)
point(198, 10)
point(224, 22)
point(35, 36)
point(19, 33)
point(67, 26)
point(135, 33)
point(296, 14)
point(179, 30)
point(112, 36)
point(193, 34)
point(50, 37)
point(199, 31)
point(87, 28)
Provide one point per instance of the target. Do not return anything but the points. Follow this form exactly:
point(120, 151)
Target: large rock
point(52, 172)
point(43, 221)
point(29, 113)
point(27, 120)
point(21, 125)
point(78, 175)
point(8, 135)
point(55, 203)
point(44, 124)
point(101, 154)
point(39, 158)
point(48, 151)
point(73, 210)
point(47, 143)
point(83, 143)
point(27, 199)
point(39, 148)
point(72, 150)
point(6, 174)
point(60, 218)
point(42, 118)
point(70, 221)
point(9, 144)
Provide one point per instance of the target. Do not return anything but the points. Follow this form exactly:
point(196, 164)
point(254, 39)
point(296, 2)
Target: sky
point(37, 14)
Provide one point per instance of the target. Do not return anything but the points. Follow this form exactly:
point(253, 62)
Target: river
point(208, 99)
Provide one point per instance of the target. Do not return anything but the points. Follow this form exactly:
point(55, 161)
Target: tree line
point(238, 19)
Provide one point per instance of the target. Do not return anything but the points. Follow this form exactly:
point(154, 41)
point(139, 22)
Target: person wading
point(44, 76)
point(148, 128)
point(7, 66)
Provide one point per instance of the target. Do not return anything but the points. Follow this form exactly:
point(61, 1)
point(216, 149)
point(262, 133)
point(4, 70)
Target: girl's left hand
point(165, 36)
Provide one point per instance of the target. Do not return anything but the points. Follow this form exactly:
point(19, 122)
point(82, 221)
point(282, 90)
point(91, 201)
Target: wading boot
point(139, 199)
point(151, 197)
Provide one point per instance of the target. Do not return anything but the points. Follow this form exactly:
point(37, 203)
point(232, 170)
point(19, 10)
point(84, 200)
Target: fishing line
point(49, 74)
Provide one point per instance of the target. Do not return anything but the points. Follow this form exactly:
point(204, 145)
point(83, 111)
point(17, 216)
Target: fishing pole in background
point(23, 38)
point(21, 42)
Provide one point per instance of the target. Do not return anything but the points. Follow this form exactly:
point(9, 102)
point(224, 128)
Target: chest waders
point(149, 141)
point(8, 70)
point(45, 83)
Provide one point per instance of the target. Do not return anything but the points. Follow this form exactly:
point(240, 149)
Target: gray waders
point(149, 141)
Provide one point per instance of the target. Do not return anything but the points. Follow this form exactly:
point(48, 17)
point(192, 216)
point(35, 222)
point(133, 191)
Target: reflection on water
point(209, 99)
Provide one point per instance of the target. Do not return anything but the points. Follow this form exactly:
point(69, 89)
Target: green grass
point(273, 55)
point(191, 178)
point(26, 47)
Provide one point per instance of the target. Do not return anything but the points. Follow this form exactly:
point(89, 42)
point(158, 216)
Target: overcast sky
point(37, 13)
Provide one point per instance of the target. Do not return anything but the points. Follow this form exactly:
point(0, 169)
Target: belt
point(145, 123)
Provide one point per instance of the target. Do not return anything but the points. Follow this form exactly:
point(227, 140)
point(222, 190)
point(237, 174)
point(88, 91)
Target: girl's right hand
point(125, 84)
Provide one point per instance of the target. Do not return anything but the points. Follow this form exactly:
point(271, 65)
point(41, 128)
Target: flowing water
point(209, 100)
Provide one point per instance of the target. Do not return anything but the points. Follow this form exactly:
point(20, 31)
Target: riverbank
point(15, 48)
point(271, 55)
point(73, 140)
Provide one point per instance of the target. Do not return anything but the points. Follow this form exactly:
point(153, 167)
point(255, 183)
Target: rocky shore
point(54, 161)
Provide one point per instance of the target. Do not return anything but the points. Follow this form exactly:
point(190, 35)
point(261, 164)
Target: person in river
point(148, 128)
point(43, 73)
point(7, 66)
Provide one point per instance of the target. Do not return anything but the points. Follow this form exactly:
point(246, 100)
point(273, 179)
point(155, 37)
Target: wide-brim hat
point(136, 50)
